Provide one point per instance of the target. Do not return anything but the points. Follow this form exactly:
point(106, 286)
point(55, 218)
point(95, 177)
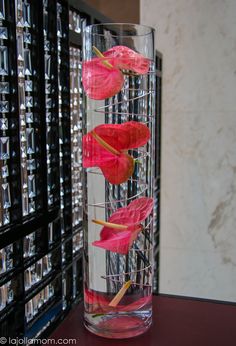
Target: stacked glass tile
point(59, 36)
point(77, 22)
point(26, 104)
point(51, 86)
point(33, 306)
point(37, 271)
point(5, 197)
point(76, 107)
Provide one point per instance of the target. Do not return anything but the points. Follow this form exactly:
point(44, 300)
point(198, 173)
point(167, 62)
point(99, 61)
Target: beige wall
point(198, 204)
point(122, 11)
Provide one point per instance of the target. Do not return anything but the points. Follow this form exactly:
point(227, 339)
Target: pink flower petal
point(95, 155)
point(129, 135)
point(127, 59)
point(136, 212)
point(93, 298)
point(99, 81)
point(144, 205)
point(120, 241)
point(119, 170)
point(116, 168)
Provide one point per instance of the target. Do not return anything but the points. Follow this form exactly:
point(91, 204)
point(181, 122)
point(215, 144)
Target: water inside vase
point(111, 262)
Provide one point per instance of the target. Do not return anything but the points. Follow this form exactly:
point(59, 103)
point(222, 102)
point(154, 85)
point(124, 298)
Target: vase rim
point(147, 30)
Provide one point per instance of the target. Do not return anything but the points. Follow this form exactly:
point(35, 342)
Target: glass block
point(4, 106)
point(23, 151)
point(31, 186)
point(50, 199)
point(22, 136)
point(18, 5)
point(6, 198)
point(47, 66)
point(49, 256)
point(71, 27)
point(76, 20)
point(3, 297)
point(24, 175)
point(45, 23)
point(48, 117)
point(10, 294)
point(21, 95)
point(31, 164)
point(29, 85)
point(83, 23)
point(2, 261)
point(48, 88)
point(29, 101)
point(48, 103)
point(3, 61)
point(27, 37)
point(3, 124)
point(29, 310)
point(59, 8)
point(4, 148)
point(50, 232)
point(20, 21)
point(30, 140)
point(25, 204)
point(26, 15)
point(2, 9)
point(27, 60)
point(5, 171)
point(39, 270)
point(46, 294)
point(46, 45)
point(45, 263)
point(27, 279)
point(4, 87)
point(29, 117)
point(59, 28)
point(6, 217)
point(32, 207)
point(20, 47)
point(3, 33)
point(21, 73)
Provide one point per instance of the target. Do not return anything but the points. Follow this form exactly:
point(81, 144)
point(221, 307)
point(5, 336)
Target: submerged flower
point(106, 147)
point(124, 225)
point(99, 304)
point(103, 76)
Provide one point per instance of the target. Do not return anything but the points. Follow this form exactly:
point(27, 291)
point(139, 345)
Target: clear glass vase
point(118, 76)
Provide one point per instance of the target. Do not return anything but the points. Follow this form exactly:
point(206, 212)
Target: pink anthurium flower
point(99, 304)
point(102, 77)
point(125, 58)
point(124, 225)
point(106, 147)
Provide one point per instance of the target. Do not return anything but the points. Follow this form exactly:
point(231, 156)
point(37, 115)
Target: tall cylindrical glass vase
point(118, 76)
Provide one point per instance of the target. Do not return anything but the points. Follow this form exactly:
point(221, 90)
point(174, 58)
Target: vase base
point(120, 327)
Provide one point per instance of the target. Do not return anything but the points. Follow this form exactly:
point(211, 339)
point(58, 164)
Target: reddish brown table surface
point(176, 322)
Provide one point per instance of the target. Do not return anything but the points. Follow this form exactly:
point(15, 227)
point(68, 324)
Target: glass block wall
point(42, 112)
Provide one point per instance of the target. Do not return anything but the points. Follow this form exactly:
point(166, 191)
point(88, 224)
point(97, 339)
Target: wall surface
point(122, 11)
point(198, 218)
